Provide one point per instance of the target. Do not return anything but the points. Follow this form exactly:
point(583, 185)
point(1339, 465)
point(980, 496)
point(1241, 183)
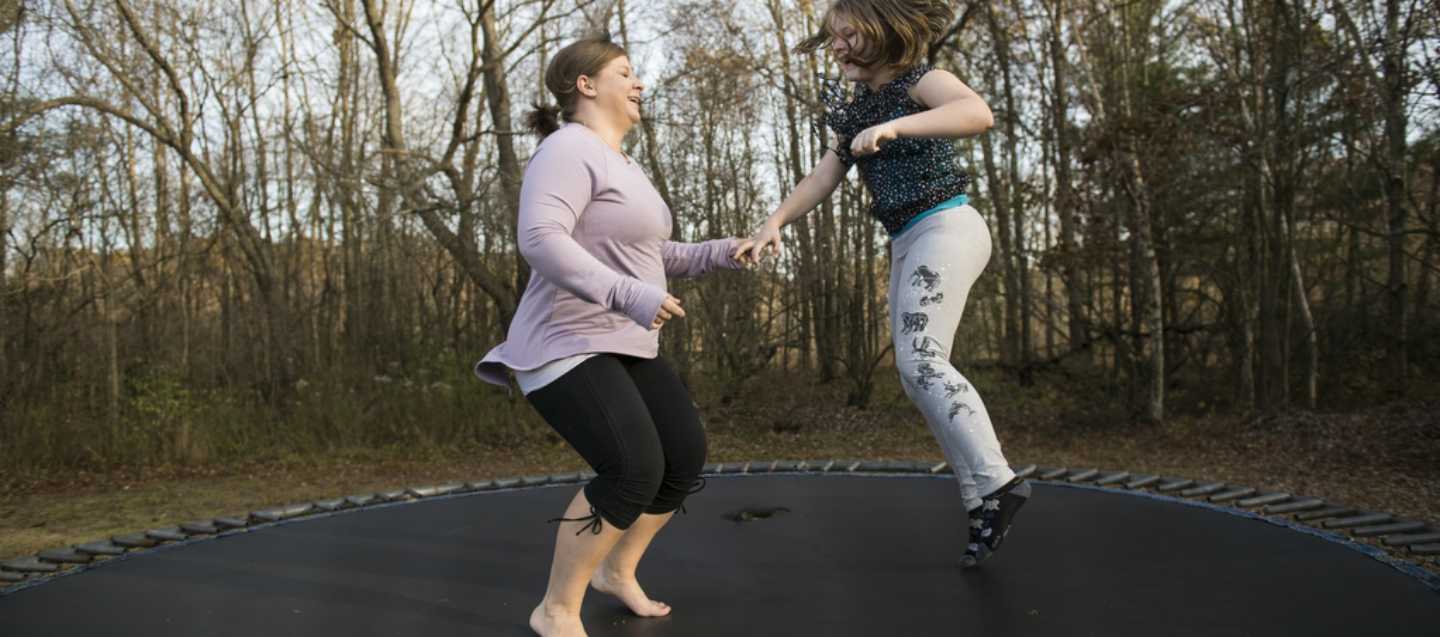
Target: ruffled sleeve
point(839, 116)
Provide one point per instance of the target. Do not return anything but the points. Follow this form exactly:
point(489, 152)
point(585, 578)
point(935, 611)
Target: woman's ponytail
point(543, 120)
point(582, 57)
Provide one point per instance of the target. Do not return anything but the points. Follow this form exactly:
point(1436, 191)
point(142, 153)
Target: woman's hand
point(742, 246)
point(752, 249)
point(869, 141)
point(669, 309)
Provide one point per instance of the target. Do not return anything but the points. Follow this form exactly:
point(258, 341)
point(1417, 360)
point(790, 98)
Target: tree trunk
point(462, 248)
point(1000, 199)
point(183, 269)
point(1019, 270)
point(999, 187)
point(1046, 241)
point(1150, 310)
point(1239, 329)
point(1428, 255)
point(1075, 294)
point(497, 96)
point(1147, 279)
point(1307, 321)
point(5, 373)
point(1395, 90)
point(349, 108)
point(807, 271)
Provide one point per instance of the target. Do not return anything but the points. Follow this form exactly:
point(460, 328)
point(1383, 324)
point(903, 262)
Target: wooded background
point(236, 225)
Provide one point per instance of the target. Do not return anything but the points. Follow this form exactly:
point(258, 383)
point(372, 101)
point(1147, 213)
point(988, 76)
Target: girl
point(898, 128)
point(584, 340)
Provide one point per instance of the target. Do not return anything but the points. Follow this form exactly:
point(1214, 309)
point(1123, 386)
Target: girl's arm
point(954, 111)
point(811, 190)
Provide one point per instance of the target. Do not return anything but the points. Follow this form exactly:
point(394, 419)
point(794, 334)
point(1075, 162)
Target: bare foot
point(555, 624)
point(628, 590)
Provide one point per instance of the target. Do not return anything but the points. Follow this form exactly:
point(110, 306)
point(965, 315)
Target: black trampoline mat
point(855, 556)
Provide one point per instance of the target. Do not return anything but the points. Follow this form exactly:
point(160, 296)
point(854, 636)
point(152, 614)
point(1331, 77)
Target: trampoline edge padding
point(1401, 545)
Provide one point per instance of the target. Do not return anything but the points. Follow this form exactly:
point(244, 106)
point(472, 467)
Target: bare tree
point(1129, 52)
point(1065, 204)
point(1389, 29)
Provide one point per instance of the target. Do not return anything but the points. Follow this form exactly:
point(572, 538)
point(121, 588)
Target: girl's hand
point(669, 308)
point(752, 249)
point(869, 141)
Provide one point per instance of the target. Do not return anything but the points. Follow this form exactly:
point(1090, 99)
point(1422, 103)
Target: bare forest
point(228, 227)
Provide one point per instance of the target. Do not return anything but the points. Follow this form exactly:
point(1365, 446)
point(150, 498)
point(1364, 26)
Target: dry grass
point(1384, 459)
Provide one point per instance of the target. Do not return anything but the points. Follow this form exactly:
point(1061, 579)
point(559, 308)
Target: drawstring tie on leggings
point(594, 522)
point(593, 526)
point(694, 489)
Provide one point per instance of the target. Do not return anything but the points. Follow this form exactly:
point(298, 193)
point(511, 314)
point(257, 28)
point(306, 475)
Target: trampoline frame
point(1405, 545)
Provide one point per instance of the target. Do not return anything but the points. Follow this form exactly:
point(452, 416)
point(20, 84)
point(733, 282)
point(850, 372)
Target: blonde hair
point(895, 32)
point(582, 57)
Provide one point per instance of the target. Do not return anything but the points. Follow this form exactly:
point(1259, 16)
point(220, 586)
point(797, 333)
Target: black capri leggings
point(634, 422)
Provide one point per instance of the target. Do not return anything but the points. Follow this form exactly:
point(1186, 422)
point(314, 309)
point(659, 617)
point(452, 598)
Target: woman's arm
point(697, 259)
point(954, 110)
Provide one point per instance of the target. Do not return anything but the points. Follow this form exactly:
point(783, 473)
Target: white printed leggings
point(932, 266)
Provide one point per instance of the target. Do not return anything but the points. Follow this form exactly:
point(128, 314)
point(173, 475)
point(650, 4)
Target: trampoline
point(774, 548)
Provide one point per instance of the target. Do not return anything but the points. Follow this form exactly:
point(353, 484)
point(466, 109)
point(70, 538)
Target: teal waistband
point(953, 202)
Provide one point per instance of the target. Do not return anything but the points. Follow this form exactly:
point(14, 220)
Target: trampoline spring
point(29, 565)
point(1233, 494)
point(167, 535)
point(1142, 482)
point(1387, 529)
point(1204, 489)
point(64, 556)
point(1261, 500)
point(330, 505)
point(1327, 512)
point(1053, 473)
point(1358, 520)
point(1295, 507)
point(1112, 478)
point(1413, 538)
point(199, 527)
point(102, 548)
point(1174, 485)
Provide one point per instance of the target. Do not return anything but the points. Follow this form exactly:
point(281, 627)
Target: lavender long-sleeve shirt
point(595, 233)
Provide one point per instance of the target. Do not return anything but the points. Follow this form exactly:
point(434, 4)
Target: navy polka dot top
point(909, 175)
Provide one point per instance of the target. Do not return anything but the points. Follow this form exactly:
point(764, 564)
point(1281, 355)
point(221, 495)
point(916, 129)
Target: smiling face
point(851, 49)
point(847, 43)
point(615, 91)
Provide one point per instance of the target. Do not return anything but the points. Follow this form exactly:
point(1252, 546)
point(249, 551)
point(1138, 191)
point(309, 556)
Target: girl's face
point(617, 90)
point(845, 40)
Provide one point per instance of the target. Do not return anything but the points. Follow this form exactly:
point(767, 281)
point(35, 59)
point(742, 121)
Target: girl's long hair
point(895, 33)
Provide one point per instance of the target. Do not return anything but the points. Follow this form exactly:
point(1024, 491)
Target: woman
point(584, 341)
point(897, 127)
